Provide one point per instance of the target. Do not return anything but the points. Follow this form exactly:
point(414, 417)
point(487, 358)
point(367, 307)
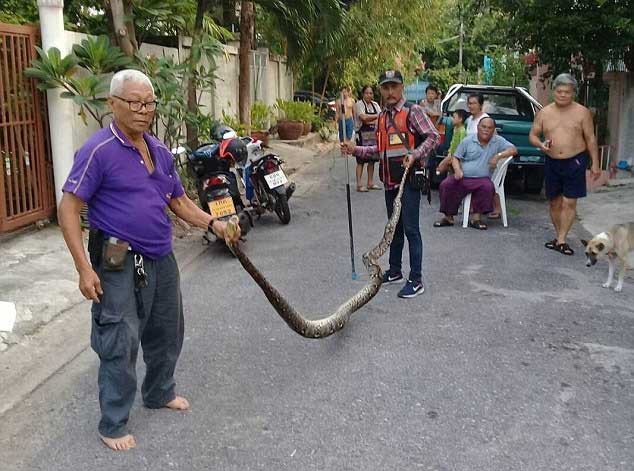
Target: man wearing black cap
point(400, 120)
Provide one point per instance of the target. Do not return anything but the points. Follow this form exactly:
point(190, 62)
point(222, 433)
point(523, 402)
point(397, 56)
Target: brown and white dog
point(617, 245)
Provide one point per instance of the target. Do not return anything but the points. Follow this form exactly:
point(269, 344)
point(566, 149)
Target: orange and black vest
point(391, 149)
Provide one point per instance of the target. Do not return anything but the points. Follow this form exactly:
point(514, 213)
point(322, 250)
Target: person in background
point(475, 101)
point(459, 133)
point(418, 141)
point(476, 158)
point(431, 103)
point(366, 116)
point(568, 130)
point(345, 112)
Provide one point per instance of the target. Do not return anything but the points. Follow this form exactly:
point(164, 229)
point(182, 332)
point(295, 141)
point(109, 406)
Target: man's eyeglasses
point(137, 105)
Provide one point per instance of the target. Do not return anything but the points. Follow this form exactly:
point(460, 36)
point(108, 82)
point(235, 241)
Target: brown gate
point(26, 182)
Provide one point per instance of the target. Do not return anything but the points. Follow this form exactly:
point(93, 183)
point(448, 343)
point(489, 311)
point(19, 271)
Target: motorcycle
point(213, 166)
point(266, 182)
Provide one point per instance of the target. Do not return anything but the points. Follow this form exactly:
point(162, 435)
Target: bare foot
point(126, 442)
point(178, 403)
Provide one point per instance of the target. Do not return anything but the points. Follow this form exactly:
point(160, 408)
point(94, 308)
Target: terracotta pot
point(262, 136)
point(306, 129)
point(290, 130)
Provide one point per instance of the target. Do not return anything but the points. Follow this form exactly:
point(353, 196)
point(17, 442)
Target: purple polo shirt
point(124, 200)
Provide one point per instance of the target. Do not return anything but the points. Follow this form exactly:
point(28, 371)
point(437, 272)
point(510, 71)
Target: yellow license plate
point(222, 207)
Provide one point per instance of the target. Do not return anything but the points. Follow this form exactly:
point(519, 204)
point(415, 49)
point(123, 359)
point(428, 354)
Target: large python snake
point(334, 322)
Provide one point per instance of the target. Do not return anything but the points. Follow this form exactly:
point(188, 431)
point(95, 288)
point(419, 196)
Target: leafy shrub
point(260, 116)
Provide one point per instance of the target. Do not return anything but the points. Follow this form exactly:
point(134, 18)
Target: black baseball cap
point(388, 76)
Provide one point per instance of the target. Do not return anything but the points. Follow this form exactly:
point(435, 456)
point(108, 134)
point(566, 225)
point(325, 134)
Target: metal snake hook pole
point(347, 157)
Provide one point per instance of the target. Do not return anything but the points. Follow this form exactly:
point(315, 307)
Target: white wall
point(276, 81)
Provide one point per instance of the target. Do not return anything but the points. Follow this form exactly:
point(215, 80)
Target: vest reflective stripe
point(395, 150)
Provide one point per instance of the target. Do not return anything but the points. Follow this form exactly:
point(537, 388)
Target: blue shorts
point(566, 176)
point(349, 129)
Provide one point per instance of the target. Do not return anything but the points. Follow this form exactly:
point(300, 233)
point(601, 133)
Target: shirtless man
point(569, 139)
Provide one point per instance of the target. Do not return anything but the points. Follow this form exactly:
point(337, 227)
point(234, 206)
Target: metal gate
point(26, 181)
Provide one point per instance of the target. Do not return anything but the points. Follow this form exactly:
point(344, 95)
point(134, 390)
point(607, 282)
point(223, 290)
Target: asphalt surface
point(515, 358)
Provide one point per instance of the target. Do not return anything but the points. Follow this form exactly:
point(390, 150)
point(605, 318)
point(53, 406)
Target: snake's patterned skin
point(330, 324)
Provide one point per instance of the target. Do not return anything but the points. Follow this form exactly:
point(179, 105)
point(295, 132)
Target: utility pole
point(461, 43)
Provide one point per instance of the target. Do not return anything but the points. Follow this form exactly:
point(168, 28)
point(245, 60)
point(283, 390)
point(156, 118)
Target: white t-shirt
point(472, 124)
point(362, 107)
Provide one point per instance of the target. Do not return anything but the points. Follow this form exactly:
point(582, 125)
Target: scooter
point(217, 184)
point(267, 187)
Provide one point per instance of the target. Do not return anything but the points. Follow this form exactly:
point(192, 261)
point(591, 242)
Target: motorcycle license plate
point(222, 207)
point(275, 179)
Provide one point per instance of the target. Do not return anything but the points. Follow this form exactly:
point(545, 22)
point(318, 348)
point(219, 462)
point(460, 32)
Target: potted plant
point(307, 112)
point(289, 122)
point(260, 119)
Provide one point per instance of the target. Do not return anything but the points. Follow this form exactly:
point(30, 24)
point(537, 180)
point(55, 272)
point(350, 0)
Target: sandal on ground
point(374, 187)
point(478, 225)
point(565, 249)
point(551, 244)
point(444, 222)
point(494, 216)
point(362, 189)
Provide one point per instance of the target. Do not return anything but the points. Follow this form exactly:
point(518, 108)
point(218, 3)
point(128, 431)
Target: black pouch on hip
point(115, 252)
point(95, 246)
point(418, 179)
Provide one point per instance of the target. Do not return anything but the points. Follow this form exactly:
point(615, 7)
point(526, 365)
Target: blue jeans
point(408, 225)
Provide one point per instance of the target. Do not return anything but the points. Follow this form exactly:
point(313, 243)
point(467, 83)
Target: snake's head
point(232, 231)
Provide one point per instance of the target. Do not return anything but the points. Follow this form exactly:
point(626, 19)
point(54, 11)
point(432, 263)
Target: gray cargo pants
point(117, 329)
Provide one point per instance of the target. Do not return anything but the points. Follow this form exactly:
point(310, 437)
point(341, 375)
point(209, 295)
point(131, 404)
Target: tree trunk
point(323, 90)
point(192, 101)
point(247, 19)
point(125, 36)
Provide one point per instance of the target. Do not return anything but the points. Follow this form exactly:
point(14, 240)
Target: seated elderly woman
point(475, 159)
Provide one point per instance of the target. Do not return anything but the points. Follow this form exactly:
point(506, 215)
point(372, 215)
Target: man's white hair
point(117, 84)
point(565, 80)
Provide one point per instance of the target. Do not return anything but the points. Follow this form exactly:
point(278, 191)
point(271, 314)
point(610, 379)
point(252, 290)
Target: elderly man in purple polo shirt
point(128, 178)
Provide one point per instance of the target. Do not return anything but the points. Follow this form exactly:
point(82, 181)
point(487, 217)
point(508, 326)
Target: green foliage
point(98, 57)
point(375, 35)
point(234, 123)
point(508, 69)
point(325, 132)
point(444, 77)
point(86, 90)
point(561, 29)
point(18, 11)
point(260, 116)
point(171, 107)
point(295, 110)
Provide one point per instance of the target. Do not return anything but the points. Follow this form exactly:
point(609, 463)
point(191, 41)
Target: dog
point(617, 245)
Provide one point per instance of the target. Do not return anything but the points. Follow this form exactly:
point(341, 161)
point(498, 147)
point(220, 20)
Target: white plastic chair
point(499, 174)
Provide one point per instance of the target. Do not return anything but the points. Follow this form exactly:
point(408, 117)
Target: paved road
point(514, 359)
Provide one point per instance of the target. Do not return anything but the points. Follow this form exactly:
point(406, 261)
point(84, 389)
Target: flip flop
point(444, 222)
point(478, 225)
point(374, 187)
point(362, 189)
point(551, 244)
point(494, 216)
point(565, 249)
